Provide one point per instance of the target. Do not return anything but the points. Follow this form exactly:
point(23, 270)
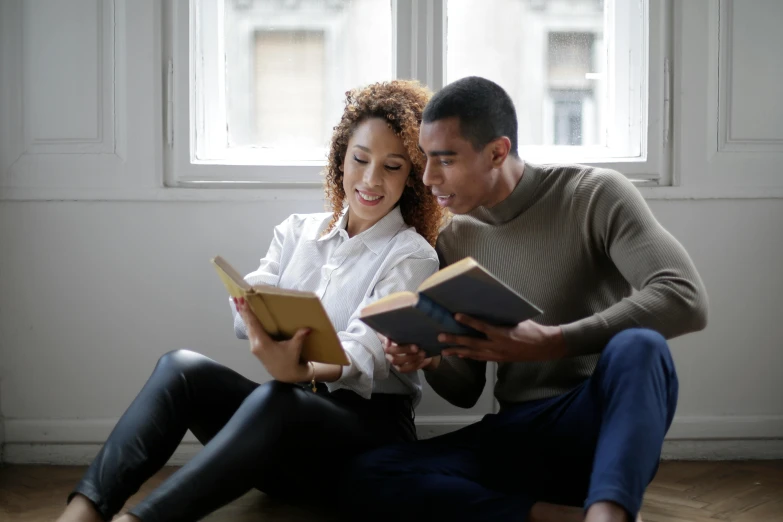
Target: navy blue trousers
point(599, 442)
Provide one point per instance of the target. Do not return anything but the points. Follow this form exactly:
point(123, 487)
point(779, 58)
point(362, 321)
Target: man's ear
point(498, 150)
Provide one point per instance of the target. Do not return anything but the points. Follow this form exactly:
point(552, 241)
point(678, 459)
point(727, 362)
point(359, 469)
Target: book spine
point(444, 317)
point(259, 308)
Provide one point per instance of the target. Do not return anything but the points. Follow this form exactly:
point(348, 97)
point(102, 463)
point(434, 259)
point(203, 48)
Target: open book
point(283, 312)
point(464, 287)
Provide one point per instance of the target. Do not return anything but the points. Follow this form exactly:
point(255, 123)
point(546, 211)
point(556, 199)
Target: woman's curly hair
point(400, 103)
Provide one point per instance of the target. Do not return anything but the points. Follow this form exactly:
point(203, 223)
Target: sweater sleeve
point(670, 296)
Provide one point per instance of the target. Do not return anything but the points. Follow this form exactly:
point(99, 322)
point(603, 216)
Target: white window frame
point(418, 32)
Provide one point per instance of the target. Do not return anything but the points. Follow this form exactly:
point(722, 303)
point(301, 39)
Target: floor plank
point(681, 492)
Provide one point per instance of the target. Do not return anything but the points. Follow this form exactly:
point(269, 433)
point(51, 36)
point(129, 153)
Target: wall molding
point(727, 141)
point(76, 441)
point(103, 140)
point(116, 143)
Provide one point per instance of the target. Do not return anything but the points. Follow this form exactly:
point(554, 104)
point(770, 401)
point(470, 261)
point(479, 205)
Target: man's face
point(461, 177)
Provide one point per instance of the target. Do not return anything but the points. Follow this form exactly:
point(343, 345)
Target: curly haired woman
point(282, 437)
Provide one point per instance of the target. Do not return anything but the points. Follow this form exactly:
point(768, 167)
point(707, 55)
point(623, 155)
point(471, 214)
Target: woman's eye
point(393, 167)
point(357, 160)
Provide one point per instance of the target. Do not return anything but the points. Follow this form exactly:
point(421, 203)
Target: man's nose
point(430, 176)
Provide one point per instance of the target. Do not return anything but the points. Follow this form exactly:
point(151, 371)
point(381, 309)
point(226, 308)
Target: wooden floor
point(682, 492)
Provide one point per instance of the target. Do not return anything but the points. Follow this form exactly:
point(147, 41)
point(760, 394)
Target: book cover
point(464, 287)
point(282, 312)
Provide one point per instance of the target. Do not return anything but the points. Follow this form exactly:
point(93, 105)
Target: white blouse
point(348, 274)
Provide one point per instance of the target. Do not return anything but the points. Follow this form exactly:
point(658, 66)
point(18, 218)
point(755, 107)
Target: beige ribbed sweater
point(575, 241)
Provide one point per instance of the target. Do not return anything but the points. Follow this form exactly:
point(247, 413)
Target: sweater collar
point(520, 199)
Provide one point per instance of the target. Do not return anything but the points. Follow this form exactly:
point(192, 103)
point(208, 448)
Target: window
point(270, 75)
point(556, 60)
point(267, 78)
point(575, 119)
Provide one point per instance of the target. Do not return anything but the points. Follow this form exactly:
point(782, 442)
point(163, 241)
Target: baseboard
point(739, 449)
point(2, 438)
point(712, 438)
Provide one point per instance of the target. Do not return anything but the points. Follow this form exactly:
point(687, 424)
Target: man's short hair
point(484, 110)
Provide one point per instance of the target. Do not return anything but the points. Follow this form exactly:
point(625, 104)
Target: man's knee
point(642, 344)
point(637, 349)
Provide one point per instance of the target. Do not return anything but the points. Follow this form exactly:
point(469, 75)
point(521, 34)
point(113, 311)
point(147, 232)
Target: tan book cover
point(282, 312)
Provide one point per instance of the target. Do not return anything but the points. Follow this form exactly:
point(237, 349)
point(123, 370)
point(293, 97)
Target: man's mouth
point(444, 200)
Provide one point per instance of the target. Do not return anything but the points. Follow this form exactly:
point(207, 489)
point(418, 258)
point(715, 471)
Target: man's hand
point(281, 359)
point(408, 358)
point(527, 341)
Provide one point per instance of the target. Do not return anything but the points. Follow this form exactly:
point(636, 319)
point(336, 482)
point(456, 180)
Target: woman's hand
point(281, 359)
point(408, 358)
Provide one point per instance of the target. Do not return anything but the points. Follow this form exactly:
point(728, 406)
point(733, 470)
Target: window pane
point(549, 55)
point(288, 64)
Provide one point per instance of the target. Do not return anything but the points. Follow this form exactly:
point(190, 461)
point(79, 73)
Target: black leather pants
point(275, 437)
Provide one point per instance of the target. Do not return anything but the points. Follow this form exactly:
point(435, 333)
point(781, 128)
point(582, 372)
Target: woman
point(283, 437)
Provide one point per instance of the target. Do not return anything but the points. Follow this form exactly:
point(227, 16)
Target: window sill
point(248, 192)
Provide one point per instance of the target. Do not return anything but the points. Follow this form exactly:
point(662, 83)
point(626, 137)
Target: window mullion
point(403, 39)
point(436, 44)
point(419, 41)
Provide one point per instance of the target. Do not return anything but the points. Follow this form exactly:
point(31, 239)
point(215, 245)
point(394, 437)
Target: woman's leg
point(283, 439)
point(185, 391)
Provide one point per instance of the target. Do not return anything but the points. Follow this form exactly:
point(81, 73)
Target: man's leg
point(636, 384)
point(598, 445)
point(600, 442)
point(434, 479)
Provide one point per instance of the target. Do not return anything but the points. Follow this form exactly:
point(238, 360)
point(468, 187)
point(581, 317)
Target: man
point(588, 389)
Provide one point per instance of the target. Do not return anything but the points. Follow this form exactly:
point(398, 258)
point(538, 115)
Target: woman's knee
point(276, 398)
point(179, 362)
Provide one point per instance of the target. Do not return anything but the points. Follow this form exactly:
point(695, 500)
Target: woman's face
point(375, 171)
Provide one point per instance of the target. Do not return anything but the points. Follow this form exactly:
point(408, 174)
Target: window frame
point(418, 44)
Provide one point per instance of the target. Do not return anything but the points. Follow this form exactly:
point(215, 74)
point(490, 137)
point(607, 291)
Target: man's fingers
point(404, 358)
point(410, 367)
point(464, 341)
point(475, 323)
point(401, 349)
point(461, 352)
point(467, 353)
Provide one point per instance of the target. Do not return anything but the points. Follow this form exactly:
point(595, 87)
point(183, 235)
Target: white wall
point(102, 270)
